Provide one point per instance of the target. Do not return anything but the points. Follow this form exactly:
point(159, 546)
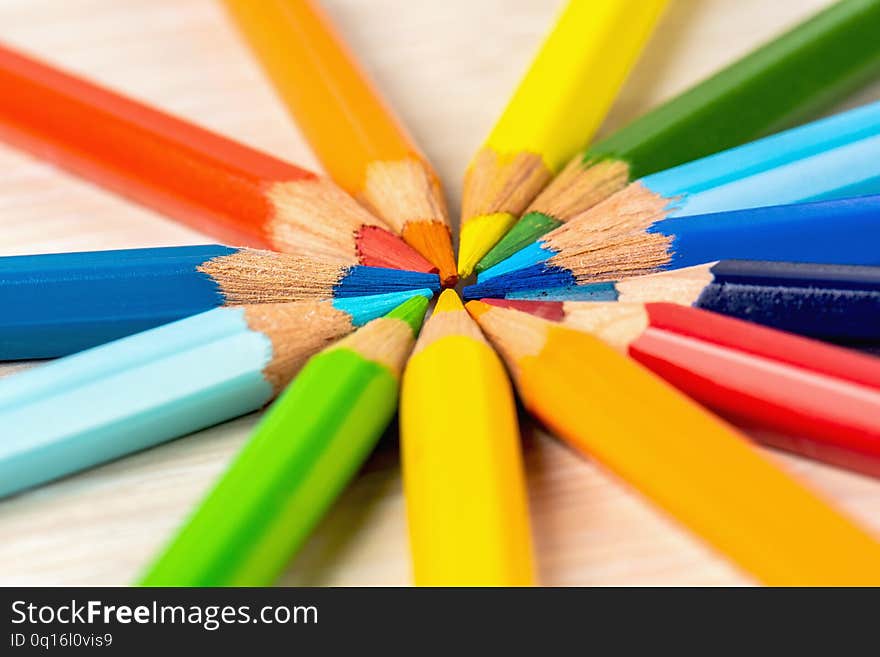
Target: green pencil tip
point(411, 311)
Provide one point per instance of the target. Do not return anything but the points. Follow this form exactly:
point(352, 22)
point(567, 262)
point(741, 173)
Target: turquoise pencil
point(307, 447)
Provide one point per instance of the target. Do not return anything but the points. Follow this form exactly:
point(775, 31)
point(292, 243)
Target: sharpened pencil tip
point(477, 308)
point(449, 301)
point(411, 311)
point(433, 241)
point(478, 235)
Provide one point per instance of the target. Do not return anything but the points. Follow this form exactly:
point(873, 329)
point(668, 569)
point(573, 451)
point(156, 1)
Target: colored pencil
point(623, 236)
point(557, 107)
point(464, 485)
point(137, 392)
point(784, 81)
point(302, 454)
point(824, 399)
point(840, 303)
point(221, 187)
point(60, 303)
point(682, 458)
point(842, 231)
point(354, 134)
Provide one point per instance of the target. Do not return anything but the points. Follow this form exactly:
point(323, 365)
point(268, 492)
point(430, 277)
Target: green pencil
point(776, 86)
point(302, 454)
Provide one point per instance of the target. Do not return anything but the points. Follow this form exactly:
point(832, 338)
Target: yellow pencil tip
point(449, 301)
point(478, 236)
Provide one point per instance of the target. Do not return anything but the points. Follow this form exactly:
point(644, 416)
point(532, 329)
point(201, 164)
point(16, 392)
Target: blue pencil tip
point(365, 308)
point(538, 276)
point(533, 254)
point(361, 280)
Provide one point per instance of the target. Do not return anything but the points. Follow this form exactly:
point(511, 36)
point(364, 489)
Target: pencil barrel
point(304, 451)
point(463, 474)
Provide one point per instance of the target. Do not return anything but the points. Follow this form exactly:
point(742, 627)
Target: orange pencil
point(226, 189)
point(355, 135)
point(692, 465)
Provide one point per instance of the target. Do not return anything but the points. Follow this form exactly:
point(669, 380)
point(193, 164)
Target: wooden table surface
point(448, 68)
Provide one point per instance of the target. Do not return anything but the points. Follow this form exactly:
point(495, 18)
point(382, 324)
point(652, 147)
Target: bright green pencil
point(302, 454)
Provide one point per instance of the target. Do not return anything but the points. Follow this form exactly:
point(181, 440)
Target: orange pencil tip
point(378, 247)
point(477, 308)
point(433, 240)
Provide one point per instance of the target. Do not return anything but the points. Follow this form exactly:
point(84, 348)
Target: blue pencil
point(836, 157)
point(843, 231)
point(840, 303)
point(58, 304)
point(145, 389)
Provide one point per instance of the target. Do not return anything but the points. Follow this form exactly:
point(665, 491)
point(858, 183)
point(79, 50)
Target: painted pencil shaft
point(302, 454)
point(463, 474)
point(148, 388)
point(758, 94)
point(57, 304)
point(556, 109)
point(358, 140)
point(670, 450)
point(224, 188)
point(820, 401)
point(831, 302)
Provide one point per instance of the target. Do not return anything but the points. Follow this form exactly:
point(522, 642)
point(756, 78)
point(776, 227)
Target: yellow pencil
point(557, 108)
point(462, 466)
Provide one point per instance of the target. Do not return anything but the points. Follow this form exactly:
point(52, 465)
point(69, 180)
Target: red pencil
point(825, 399)
point(216, 185)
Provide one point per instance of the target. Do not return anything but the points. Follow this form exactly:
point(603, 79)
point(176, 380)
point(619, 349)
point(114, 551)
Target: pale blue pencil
point(145, 389)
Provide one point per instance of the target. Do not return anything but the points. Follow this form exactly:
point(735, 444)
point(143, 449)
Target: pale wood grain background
point(448, 68)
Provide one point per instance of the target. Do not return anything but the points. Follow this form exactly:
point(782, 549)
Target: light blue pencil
point(831, 158)
point(145, 389)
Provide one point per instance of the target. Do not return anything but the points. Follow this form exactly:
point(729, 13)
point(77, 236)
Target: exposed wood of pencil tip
point(296, 331)
point(407, 195)
point(385, 340)
point(515, 335)
point(252, 276)
point(610, 241)
point(497, 183)
point(682, 286)
point(616, 324)
point(580, 186)
point(402, 191)
point(316, 218)
point(448, 322)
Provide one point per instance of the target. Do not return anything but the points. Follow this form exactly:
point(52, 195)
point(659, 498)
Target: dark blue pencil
point(844, 231)
point(840, 303)
point(57, 304)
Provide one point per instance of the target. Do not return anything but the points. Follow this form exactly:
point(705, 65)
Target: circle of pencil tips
point(632, 292)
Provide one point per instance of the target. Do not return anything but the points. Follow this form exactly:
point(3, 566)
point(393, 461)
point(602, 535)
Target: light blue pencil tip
point(590, 292)
point(533, 254)
point(364, 309)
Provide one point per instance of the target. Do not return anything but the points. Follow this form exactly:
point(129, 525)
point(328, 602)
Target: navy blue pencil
point(843, 231)
point(840, 303)
point(57, 304)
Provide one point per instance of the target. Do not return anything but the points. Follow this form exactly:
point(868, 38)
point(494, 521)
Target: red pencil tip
point(378, 247)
